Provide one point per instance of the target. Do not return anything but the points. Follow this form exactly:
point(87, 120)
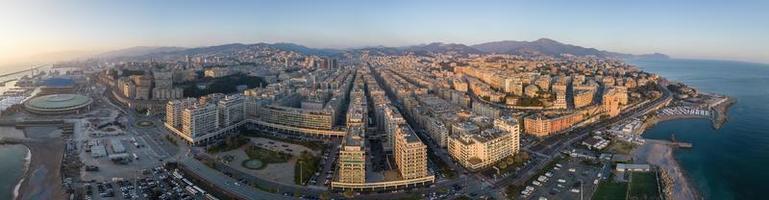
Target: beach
point(660, 154)
point(16, 159)
point(42, 180)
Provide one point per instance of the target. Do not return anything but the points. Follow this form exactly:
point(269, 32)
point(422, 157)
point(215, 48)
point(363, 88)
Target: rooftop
point(58, 102)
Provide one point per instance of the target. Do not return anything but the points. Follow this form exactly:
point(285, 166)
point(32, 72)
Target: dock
point(675, 144)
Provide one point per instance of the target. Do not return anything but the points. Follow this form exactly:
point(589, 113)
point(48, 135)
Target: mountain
point(653, 56)
point(138, 51)
point(437, 47)
point(540, 47)
point(304, 49)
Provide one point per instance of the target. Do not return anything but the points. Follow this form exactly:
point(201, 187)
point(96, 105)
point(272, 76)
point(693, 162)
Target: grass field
point(610, 190)
point(306, 165)
point(643, 185)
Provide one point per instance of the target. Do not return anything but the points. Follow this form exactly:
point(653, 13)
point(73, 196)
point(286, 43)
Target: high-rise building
point(464, 128)
point(510, 125)
point(544, 125)
point(174, 110)
point(514, 86)
point(583, 98)
point(611, 102)
point(231, 110)
point(199, 120)
point(410, 154)
point(352, 159)
point(476, 150)
point(393, 120)
point(206, 119)
point(560, 100)
point(296, 117)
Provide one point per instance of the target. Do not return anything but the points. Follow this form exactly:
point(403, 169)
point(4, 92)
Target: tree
point(502, 165)
point(325, 196)
point(348, 193)
point(524, 156)
point(510, 160)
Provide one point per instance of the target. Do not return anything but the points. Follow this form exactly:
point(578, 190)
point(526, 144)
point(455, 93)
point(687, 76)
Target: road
point(436, 151)
point(553, 145)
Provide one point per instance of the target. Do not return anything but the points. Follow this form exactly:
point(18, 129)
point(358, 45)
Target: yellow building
point(352, 160)
point(583, 98)
point(199, 120)
point(174, 110)
point(478, 150)
point(410, 154)
point(543, 125)
point(611, 102)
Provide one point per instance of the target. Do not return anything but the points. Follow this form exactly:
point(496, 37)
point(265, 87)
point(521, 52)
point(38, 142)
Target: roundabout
point(253, 164)
point(145, 124)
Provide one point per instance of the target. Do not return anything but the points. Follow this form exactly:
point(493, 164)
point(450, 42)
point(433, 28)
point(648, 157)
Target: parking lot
point(104, 168)
point(153, 183)
point(569, 178)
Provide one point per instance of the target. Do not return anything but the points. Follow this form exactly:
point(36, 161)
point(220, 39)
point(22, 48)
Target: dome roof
point(57, 103)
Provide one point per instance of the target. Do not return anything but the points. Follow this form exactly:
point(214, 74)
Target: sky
point(733, 30)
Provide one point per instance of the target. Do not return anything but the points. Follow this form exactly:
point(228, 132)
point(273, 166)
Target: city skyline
point(681, 29)
point(343, 99)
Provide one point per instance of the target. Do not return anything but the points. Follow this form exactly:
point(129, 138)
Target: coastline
point(27, 162)
point(677, 184)
point(42, 179)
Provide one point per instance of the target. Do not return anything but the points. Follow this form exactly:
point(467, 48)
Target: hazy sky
point(691, 29)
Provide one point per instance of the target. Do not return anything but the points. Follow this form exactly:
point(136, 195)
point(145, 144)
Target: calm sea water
point(729, 163)
point(12, 167)
point(733, 161)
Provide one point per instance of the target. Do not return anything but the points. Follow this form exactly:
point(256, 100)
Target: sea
point(731, 162)
point(14, 158)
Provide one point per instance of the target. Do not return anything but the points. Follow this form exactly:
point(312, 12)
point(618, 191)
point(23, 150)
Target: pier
point(715, 112)
point(672, 143)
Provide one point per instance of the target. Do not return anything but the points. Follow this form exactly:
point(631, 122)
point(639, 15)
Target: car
point(561, 181)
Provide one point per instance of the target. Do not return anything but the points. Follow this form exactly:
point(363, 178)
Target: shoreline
point(42, 179)
point(27, 162)
point(677, 184)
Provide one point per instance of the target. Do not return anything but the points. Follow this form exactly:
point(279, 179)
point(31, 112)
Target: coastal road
point(553, 145)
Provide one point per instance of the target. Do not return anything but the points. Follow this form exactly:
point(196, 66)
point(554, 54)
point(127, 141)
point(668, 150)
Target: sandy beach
point(43, 178)
point(658, 153)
